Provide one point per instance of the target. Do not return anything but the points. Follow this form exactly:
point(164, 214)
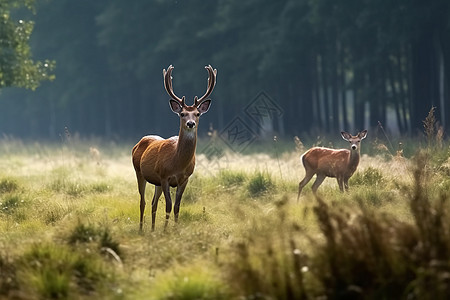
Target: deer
point(167, 163)
point(335, 163)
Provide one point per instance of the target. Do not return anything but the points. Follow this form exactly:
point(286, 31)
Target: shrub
point(68, 187)
point(370, 255)
point(56, 272)
point(369, 177)
point(268, 263)
point(8, 185)
point(195, 282)
point(10, 203)
point(89, 233)
point(361, 254)
point(83, 234)
point(229, 178)
point(259, 183)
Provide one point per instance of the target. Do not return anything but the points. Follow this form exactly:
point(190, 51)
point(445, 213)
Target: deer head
point(189, 115)
point(354, 140)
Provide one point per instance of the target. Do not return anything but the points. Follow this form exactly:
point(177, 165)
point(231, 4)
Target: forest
point(320, 66)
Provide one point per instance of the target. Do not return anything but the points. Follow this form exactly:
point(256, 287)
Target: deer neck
point(187, 142)
point(353, 160)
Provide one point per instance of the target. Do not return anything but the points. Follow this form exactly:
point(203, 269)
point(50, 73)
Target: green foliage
point(259, 183)
point(16, 66)
point(83, 234)
point(53, 215)
point(230, 179)
point(370, 255)
point(8, 185)
point(194, 216)
point(369, 177)
point(364, 254)
point(268, 263)
point(10, 204)
point(89, 233)
point(192, 283)
point(100, 187)
point(76, 189)
point(57, 272)
point(375, 242)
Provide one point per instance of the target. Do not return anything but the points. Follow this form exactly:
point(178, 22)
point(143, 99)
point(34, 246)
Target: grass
point(69, 228)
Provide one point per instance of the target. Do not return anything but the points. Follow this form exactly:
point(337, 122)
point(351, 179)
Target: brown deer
point(337, 163)
point(169, 162)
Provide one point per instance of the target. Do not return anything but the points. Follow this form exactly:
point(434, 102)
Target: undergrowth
point(363, 254)
point(69, 230)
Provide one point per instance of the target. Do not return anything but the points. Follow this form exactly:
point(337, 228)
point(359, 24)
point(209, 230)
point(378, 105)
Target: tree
point(17, 68)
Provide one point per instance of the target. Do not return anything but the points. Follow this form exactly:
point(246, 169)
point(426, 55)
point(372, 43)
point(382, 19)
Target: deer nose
point(190, 124)
point(354, 147)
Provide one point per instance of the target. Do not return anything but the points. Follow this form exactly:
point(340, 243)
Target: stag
point(169, 162)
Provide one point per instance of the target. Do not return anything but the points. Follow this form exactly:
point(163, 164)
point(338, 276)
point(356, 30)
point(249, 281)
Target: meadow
point(69, 220)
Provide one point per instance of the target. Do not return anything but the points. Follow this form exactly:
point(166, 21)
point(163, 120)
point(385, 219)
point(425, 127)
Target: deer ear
point(363, 134)
point(175, 106)
point(204, 106)
point(345, 135)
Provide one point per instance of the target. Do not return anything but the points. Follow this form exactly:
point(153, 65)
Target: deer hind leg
point(301, 185)
point(141, 186)
point(166, 190)
point(156, 195)
point(179, 194)
point(319, 179)
point(340, 181)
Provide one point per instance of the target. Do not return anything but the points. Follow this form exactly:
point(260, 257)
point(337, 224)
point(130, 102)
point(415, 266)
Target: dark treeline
point(329, 65)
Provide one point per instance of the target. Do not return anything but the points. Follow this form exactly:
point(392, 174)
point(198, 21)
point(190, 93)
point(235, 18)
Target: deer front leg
point(141, 186)
point(340, 181)
point(179, 194)
point(156, 195)
point(346, 183)
point(166, 190)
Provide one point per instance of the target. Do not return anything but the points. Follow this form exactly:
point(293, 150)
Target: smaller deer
point(337, 163)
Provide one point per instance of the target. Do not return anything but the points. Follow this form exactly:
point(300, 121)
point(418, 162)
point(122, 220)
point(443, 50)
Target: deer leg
point(319, 179)
point(304, 182)
point(141, 186)
point(340, 181)
point(179, 194)
point(346, 183)
point(156, 195)
point(166, 190)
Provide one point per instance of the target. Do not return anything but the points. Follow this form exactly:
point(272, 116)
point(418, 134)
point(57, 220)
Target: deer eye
point(198, 114)
point(181, 114)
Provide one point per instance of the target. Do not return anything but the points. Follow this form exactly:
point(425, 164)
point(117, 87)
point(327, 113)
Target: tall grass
point(69, 229)
point(362, 253)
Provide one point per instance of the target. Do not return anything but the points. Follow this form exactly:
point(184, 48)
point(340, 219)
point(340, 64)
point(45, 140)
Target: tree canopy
point(17, 67)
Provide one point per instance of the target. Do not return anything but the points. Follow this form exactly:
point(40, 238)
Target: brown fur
point(169, 162)
point(325, 162)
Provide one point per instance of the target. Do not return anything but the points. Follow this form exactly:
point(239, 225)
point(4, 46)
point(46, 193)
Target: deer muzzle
point(190, 124)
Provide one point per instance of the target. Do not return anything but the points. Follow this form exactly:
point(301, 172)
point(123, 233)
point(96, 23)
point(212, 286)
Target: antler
point(211, 83)
point(168, 85)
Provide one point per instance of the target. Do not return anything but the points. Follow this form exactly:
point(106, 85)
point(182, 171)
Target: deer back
point(330, 162)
